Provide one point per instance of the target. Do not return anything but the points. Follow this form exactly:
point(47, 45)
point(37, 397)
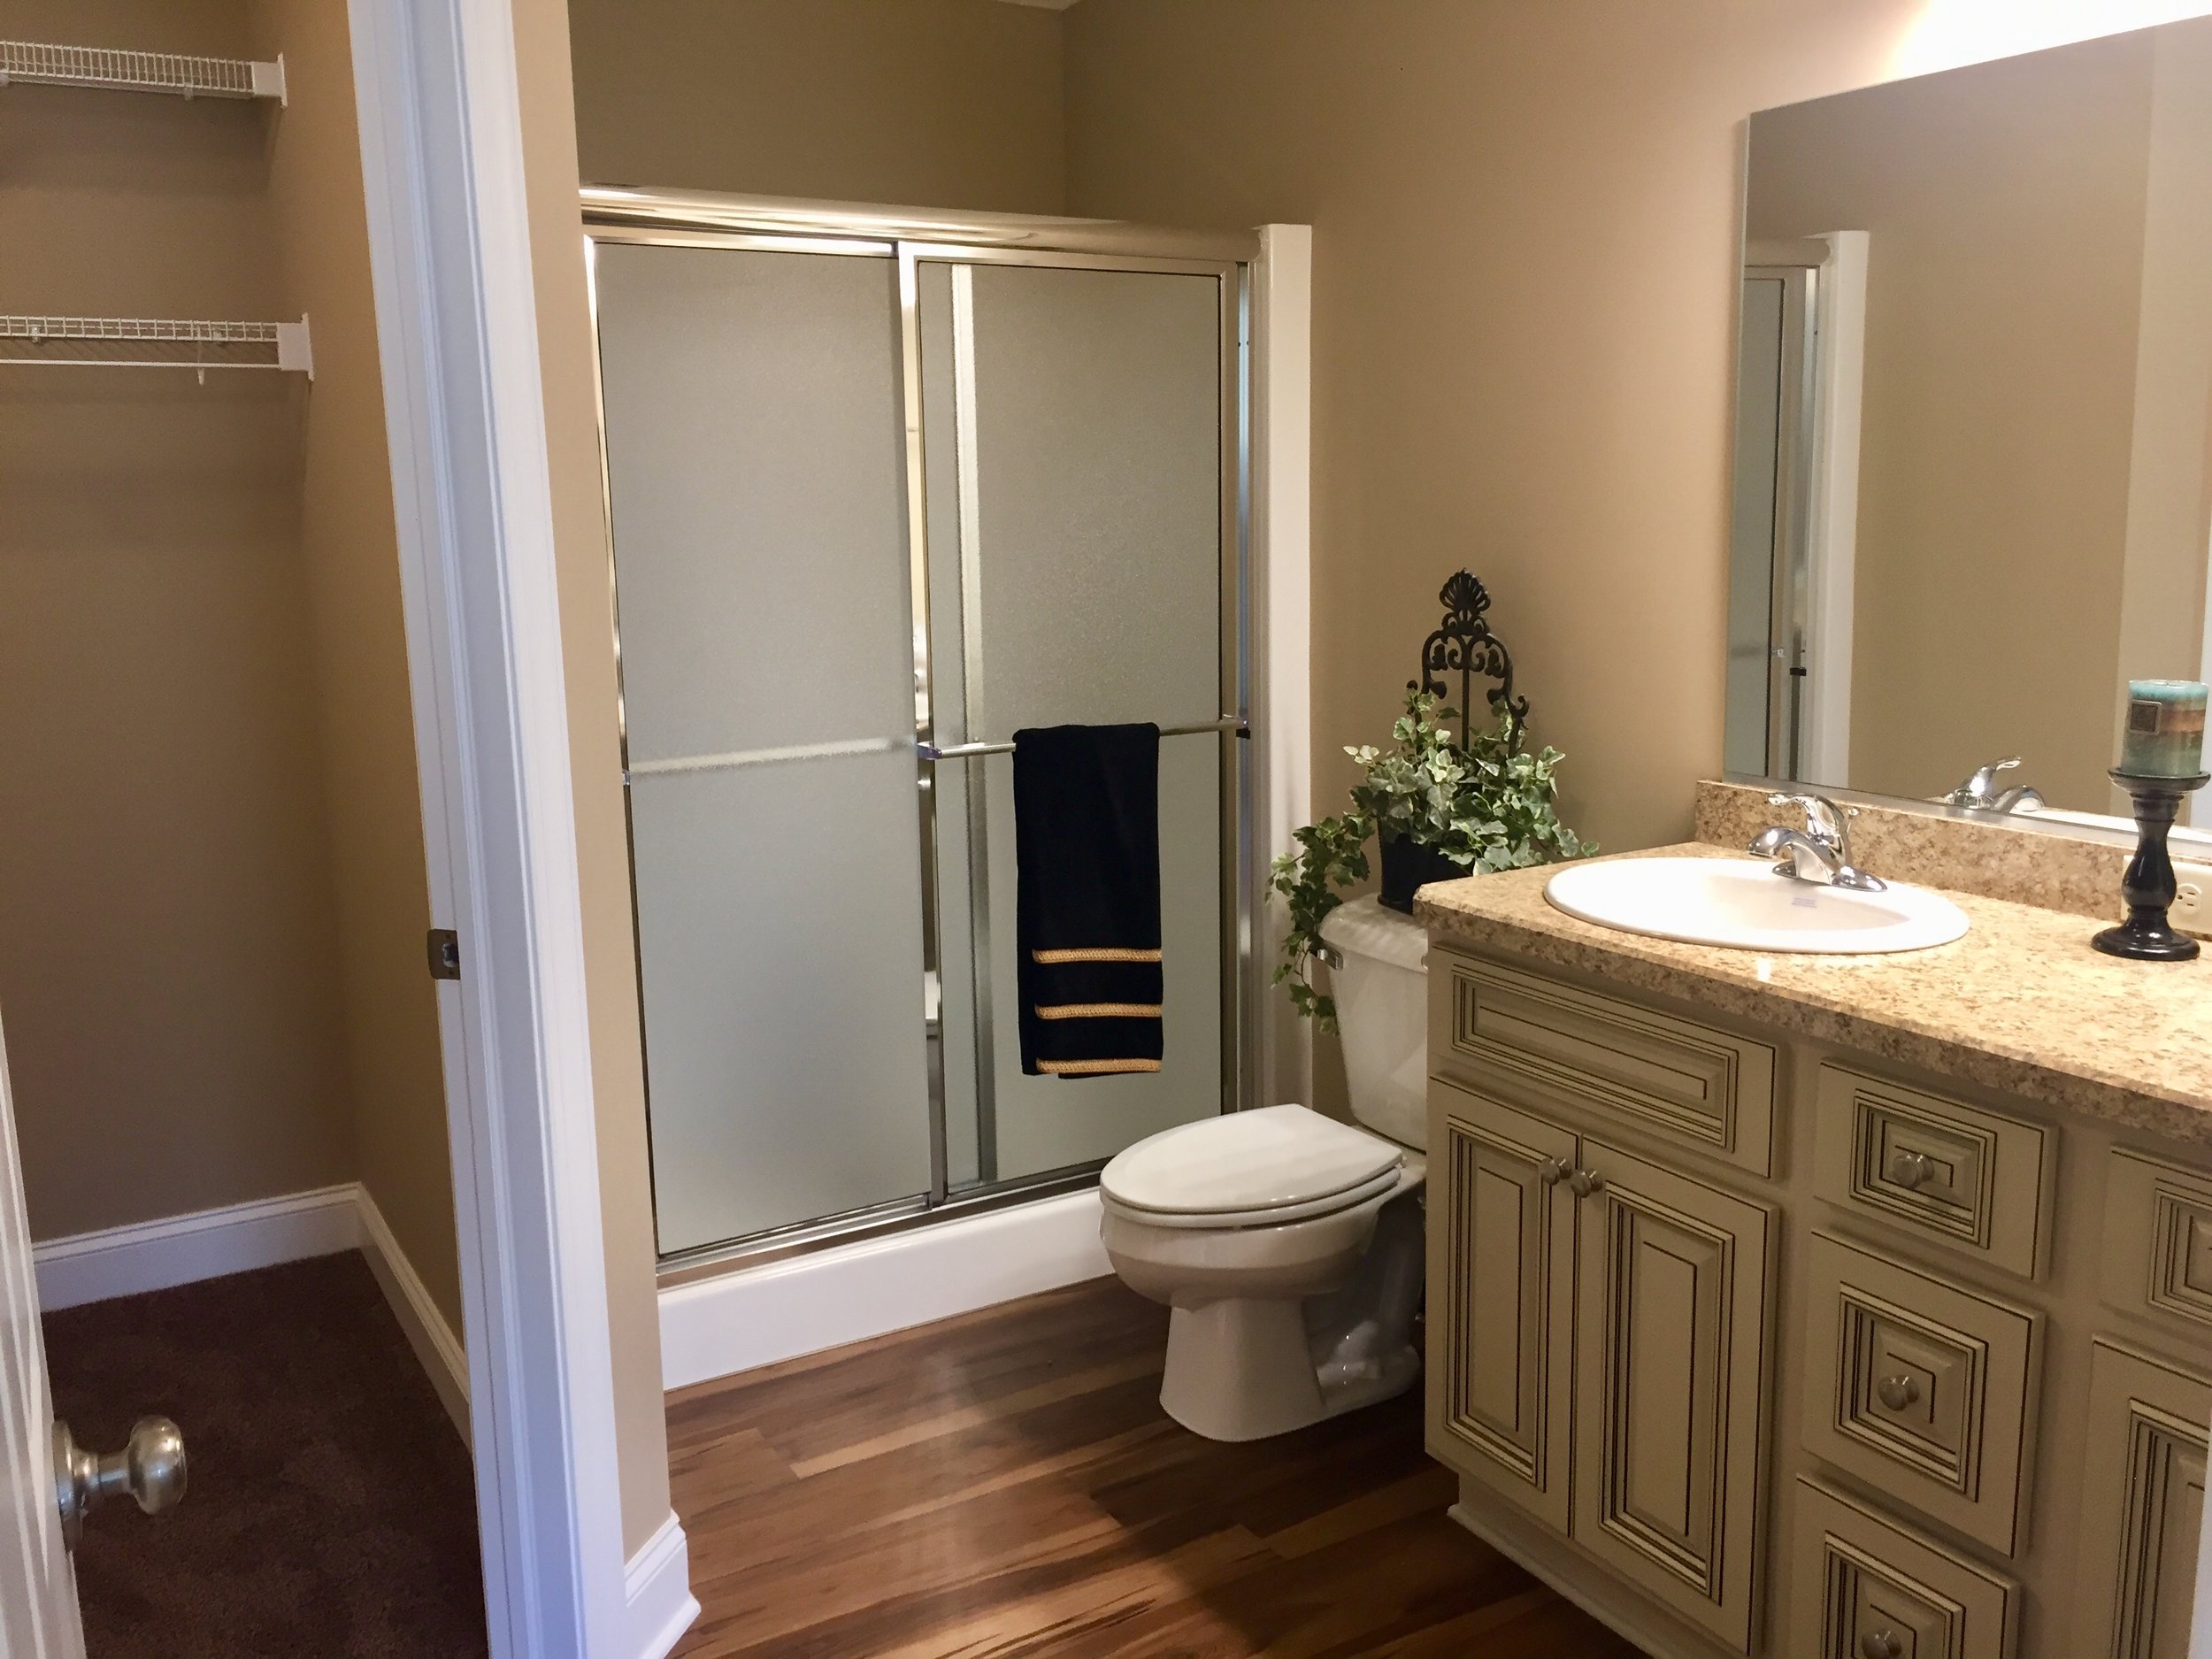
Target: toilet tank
point(1382, 1010)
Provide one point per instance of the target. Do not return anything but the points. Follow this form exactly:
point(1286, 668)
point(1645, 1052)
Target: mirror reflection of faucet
point(1981, 794)
point(1820, 852)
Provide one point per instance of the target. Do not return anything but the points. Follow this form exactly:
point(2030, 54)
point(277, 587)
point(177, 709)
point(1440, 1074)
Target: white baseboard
point(266, 1233)
point(435, 1346)
point(658, 1603)
point(184, 1249)
point(716, 1327)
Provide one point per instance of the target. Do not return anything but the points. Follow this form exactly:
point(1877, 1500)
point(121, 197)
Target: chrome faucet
point(1820, 852)
point(1981, 793)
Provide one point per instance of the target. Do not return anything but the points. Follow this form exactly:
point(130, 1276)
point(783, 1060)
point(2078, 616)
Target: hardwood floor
point(1005, 1486)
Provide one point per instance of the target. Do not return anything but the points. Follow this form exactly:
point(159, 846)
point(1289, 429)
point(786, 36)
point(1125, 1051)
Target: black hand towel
point(1087, 850)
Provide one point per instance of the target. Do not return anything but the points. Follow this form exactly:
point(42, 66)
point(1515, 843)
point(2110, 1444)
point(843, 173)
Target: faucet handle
point(1981, 789)
point(1825, 820)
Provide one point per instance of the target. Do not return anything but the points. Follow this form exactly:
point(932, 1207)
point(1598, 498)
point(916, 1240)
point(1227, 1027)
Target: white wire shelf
point(161, 343)
point(47, 65)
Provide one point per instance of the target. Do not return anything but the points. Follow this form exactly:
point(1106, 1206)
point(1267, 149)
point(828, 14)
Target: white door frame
point(449, 237)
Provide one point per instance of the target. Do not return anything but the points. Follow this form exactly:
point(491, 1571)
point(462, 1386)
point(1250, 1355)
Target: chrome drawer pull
point(1911, 1170)
point(1897, 1393)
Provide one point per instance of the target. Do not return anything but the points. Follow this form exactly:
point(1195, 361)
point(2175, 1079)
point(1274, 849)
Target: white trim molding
point(438, 99)
point(1282, 643)
point(130, 1261)
point(437, 1347)
point(751, 1316)
point(149, 1256)
point(658, 1604)
point(1832, 561)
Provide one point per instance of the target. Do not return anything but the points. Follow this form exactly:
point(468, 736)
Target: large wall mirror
point(1974, 423)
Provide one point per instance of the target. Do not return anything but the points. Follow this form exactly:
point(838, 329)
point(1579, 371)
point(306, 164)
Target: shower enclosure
point(880, 493)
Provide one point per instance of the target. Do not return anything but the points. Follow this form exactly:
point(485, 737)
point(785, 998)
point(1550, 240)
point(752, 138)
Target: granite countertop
point(2022, 1004)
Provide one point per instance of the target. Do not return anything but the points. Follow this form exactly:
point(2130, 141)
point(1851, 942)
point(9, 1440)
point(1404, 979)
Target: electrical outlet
point(2192, 905)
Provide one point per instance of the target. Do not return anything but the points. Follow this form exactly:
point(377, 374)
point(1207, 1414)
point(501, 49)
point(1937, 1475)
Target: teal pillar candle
point(2164, 734)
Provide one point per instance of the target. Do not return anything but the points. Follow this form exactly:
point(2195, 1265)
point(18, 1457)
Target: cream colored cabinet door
point(2142, 1505)
point(1670, 1361)
point(1501, 1221)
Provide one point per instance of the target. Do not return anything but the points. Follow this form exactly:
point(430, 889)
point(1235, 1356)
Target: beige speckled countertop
point(2022, 1004)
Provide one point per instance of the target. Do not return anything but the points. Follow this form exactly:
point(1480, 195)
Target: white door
point(38, 1593)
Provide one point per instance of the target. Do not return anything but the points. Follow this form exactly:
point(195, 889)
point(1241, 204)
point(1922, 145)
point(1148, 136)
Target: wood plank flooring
point(1005, 1486)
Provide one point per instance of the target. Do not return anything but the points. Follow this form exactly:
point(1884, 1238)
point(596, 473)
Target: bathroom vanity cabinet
point(1753, 1343)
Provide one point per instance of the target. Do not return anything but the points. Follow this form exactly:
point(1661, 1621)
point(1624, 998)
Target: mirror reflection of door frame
point(1824, 350)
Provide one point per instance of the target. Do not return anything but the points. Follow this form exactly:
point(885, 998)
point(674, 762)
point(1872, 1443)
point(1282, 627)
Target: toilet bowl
point(1287, 1246)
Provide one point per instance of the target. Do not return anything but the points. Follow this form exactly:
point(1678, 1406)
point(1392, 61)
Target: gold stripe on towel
point(1098, 1010)
point(1092, 1068)
point(1102, 954)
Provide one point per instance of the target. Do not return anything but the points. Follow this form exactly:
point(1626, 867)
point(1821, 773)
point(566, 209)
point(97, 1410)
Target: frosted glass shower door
point(1080, 570)
point(753, 418)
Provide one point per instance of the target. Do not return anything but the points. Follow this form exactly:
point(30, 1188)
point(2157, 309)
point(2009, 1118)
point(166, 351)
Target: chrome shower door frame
point(911, 240)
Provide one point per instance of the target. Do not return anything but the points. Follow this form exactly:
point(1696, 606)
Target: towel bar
point(967, 751)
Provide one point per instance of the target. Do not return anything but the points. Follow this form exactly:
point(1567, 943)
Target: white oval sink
point(1744, 905)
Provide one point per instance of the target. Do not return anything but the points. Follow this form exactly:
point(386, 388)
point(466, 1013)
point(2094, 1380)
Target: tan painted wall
point(924, 102)
point(351, 559)
point(602, 829)
point(1525, 229)
point(2005, 207)
point(213, 894)
point(169, 969)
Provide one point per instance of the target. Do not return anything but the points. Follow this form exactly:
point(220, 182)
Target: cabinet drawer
point(1864, 1587)
point(2158, 1241)
point(2142, 1506)
point(1921, 1388)
point(1939, 1168)
point(1697, 1086)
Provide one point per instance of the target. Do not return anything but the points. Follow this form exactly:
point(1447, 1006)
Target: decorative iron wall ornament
point(1463, 644)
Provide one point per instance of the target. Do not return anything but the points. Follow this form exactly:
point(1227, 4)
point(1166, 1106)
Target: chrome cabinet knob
point(1897, 1393)
point(1551, 1172)
point(1585, 1182)
point(151, 1468)
point(1881, 1644)
point(1910, 1170)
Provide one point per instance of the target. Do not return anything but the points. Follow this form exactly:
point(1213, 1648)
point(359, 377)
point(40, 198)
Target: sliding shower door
point(755, 489)
point(1076, 482)
point(870, 503)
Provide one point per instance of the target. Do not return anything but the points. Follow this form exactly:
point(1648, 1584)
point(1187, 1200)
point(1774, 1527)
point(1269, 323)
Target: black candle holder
point(2148, 886)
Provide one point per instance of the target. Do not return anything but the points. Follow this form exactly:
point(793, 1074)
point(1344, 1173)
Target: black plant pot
point(1408, 866)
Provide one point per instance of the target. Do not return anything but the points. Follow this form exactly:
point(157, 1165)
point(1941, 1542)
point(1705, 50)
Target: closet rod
point(293, 345)
point(47, 65)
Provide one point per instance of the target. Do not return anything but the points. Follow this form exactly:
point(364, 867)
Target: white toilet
point(1289, 1245)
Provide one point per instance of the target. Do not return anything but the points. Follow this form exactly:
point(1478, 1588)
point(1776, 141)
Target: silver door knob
point(1881, 1644)
point(1910, 1170)
point(1551, 1172)
point(1585, 1182)
point(151, 1468)
point(1897, 1393)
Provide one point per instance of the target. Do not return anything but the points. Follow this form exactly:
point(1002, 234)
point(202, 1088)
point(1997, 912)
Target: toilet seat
point(1277, 1163)
point(1224, 1220)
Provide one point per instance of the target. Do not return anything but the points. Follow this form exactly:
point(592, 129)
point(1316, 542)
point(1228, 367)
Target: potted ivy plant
point(1440, 805)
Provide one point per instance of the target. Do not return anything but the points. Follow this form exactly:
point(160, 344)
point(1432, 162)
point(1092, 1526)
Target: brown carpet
point(332, 1509)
